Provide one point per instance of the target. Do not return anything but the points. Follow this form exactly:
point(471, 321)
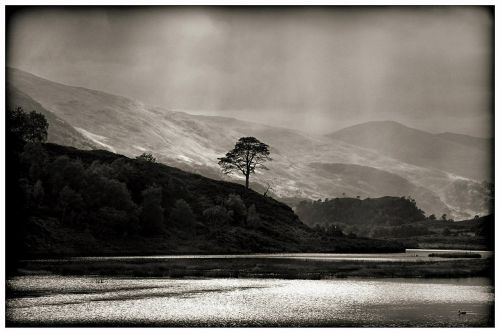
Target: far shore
point(275, 267)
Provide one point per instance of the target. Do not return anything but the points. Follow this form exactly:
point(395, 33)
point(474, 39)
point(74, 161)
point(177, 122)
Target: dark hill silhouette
point(96, 202)
point(359, 213)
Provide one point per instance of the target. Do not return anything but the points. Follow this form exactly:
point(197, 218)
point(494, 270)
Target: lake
point(408, 256)
point(44, 300)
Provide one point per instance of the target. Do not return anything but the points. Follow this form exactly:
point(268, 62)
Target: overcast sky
point(315, 69)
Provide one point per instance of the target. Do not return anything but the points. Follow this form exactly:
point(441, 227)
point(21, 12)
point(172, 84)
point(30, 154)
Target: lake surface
point(409, 255)
point(43, 300)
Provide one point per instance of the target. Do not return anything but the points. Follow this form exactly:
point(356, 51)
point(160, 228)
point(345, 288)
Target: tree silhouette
point(28, 127)
point(147, 157)
point(247, 155)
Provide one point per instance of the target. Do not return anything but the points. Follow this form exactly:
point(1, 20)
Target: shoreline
point(278, 268)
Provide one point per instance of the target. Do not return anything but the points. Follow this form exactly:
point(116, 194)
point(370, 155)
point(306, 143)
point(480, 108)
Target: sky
point(316, 69)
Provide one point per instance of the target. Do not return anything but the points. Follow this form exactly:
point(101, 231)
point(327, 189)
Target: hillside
point(193, 143)
point(60, 131)
point(359, 216)
point(368, 182)
point(471, 141)
point(397, 219)
point(453, 153)
point(81, 202)
point(477, 233)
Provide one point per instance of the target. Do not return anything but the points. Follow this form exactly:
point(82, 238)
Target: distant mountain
point(454, 153)
point(485, 144)
point(193, 143)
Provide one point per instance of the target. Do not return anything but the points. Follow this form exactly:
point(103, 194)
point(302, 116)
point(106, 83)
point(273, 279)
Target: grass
point(283, 268)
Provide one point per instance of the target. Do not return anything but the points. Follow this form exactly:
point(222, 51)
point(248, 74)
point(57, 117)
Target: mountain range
point(445, 173)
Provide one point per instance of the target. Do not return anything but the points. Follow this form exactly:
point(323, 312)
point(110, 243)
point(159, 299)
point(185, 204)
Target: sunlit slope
point(193, 142)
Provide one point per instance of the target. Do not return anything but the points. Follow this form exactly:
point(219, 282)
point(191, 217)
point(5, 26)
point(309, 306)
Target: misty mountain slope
point(371, 182)
point(485, 144)
point(194, 142)
point(444, 152)
point(59, 131)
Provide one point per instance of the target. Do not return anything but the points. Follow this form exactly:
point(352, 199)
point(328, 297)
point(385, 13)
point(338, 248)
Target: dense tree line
point(117, 198)
point(362, 217)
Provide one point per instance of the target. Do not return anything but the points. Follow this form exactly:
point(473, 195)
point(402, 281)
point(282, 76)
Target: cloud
point(315, 69)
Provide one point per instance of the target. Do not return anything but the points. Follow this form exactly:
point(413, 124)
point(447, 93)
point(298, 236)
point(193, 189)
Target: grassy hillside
point(82, 202)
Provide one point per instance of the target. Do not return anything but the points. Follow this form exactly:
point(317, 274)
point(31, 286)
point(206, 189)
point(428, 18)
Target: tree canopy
point(247, 155)
point(28, 127)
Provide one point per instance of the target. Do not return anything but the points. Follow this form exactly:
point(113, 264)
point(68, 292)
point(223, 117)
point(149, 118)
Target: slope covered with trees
point(66, 201)
point(359, 216)
point(396, 219)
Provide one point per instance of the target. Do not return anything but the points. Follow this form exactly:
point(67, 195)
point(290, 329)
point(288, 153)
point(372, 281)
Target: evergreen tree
point(247, 155)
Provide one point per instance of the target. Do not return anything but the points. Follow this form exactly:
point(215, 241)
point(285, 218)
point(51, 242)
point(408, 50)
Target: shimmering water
point(57, 300)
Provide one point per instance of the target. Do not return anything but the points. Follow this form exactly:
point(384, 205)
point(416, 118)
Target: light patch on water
point(254, 302)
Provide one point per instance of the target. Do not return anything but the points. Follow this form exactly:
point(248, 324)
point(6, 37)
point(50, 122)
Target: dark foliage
point(113, 204)
point(361, 216)
point(22, 130)
point(397, 219)
point(29, 127)
point(147, 157)
point(152, 219)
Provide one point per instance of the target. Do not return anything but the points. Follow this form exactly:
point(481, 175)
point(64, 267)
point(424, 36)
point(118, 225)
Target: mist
point(313, 69)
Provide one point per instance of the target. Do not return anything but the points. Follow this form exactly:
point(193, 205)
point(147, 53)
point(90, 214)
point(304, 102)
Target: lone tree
point(247, 155)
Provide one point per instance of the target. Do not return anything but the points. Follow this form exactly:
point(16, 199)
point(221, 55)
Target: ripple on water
point(241, 302)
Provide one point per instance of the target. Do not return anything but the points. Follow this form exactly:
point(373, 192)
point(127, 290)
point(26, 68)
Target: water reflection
point(46, 300)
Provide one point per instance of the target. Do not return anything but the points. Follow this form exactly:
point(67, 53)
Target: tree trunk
point(246, 181)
